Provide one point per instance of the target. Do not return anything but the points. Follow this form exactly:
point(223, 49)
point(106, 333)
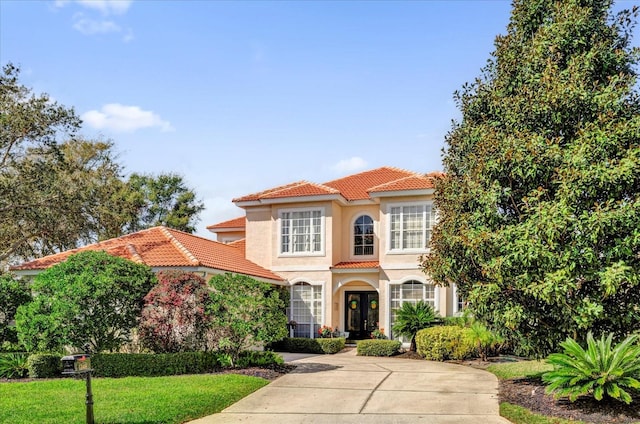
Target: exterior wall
point(259, 229)
point(229, 236)
point(263, 248)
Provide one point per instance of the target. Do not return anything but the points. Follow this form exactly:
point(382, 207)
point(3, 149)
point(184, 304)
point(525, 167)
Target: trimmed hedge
point(44, 365)
point(152, 365)
point(305, 345)
point(445, 342)
point(378, 347)
point(333, 345)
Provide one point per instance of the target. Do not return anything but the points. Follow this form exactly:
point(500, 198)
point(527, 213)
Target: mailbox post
point(80, 365)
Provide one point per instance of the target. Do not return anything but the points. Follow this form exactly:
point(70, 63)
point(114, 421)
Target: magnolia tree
point(176, 313)
point(13, 293)
point(92, 297)
point(539, 210)
point(245, 312)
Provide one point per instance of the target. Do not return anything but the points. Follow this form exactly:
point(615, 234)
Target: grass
point(521, 369)
point(519, 415)
point(124, 400)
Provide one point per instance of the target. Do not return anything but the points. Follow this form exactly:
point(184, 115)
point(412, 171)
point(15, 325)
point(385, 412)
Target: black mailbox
point(76, 364)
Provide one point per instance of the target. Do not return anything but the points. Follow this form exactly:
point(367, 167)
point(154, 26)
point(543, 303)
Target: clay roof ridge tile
point(135, 256)
point(187, 254)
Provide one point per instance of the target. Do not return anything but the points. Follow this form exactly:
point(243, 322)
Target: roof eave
point(399, 193)
point(354, 270)
point(291, 199)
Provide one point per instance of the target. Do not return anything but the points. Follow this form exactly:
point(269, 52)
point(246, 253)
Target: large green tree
point(92, 297)
point(540, 205)
point(167, 200)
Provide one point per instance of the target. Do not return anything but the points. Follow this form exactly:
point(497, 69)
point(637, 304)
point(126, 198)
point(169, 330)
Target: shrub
point(411, 318)
point(378, 347)
point(297, 345)
point(44, 365)
point(600, 370)
point(256, 358)
point(152, 365)
point(487, 342)
point(13, 365)
point(378, 333)
point(91, 297)
point(333, 345)
point(445, 342)
point(13, 293)
point(245, 312)
point(174, 318)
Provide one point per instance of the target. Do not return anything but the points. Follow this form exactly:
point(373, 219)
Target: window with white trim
point(458, 301)
point(410, 226)
point(363, 236)
point(409, 292)
point(306, 309)
point(301, 232)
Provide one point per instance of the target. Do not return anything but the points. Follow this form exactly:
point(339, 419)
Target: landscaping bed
point(529, 393)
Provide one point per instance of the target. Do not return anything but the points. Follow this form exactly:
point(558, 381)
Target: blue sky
point(241, 96)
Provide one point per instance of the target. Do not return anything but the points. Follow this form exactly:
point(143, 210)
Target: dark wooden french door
point(361, 314)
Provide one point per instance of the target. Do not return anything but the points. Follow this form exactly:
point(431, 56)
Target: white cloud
point(89, 26)
point(121, 118)
point(350, 165)
point(106, 7)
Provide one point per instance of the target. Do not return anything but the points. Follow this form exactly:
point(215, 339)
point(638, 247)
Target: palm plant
point(13, 365)
point(599, 370)
point(413, 317)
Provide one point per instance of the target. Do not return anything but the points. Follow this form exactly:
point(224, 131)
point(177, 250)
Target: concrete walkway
point(345, 388)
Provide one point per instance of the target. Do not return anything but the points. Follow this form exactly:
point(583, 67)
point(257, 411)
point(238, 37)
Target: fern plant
point(13, 365)
point(598, 371)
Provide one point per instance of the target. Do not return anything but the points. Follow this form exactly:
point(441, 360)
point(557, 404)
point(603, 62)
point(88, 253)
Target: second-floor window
point(301, 231)
point(410, 226)
point(363, 236)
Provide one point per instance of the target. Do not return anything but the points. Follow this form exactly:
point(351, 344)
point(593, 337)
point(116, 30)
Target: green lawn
point(124, 400)
point(519, 369)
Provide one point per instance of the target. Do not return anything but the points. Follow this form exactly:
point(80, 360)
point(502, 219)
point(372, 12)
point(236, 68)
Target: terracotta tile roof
point(238, 222)
point(356, 265)
point(352, 187)
point(165, 247)
point(297, 189)
point(356, 187)
point(413, 182)
point(239, 244)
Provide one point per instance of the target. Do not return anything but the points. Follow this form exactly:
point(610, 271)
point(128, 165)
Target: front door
point(361, 314)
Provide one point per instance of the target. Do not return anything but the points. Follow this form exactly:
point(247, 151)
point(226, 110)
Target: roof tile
point(165, 247)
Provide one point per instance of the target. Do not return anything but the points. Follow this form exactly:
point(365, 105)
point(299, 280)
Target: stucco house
point(348, 248)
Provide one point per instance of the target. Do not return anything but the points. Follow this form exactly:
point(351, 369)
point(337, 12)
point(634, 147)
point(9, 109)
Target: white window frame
point(429, 217)
point(457, 310)
point(315, 319)
point(353, 236)
point(290, 252)
point(435, 299)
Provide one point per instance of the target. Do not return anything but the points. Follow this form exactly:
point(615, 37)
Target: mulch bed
point(529, 392)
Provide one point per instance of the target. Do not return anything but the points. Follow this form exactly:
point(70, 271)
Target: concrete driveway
point(345, 388)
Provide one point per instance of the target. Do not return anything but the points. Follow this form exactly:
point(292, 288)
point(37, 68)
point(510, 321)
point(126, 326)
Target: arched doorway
point(362, 313)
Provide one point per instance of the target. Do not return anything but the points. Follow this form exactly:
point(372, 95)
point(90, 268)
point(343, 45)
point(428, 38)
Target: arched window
point(306, 309)
point(363, 236)
point(412, 291)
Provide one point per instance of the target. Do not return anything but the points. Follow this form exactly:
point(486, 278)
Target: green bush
point(151, 365)
point(600, 370)
point(297, 345)
point(13, 365)
point(378, 347)
point(333, 345)
point(445, 342)
point(44, 365)
point(255, 358)
point(305, 345)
